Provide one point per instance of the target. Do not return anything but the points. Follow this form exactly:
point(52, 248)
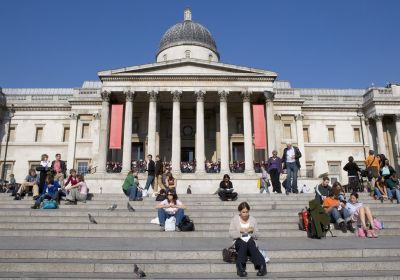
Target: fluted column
point(269, 115)
point(248, 134)
point(223, 125)
point(127, 148)
point(300, 143)
point(96, 140)
point(72, 140)
point(381, 139)
point(152, 121)
point(369, 134)
point(397, 118)
point(176, 131)
point(103, 145)
point(200, 154)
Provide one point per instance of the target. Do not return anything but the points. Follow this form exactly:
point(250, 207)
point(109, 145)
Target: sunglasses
point(170, 194)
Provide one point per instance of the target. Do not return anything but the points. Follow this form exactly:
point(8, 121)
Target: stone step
point(155, 233)
point(169, 266)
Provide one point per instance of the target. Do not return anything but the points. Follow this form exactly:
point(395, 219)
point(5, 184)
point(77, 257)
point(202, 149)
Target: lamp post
point(11, 115)
point(360, 115)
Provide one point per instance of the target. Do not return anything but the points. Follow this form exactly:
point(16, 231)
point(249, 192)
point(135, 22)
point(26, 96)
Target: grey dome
point(187, 33)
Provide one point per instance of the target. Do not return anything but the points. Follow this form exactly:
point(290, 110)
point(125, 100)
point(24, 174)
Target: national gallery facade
point(189, 107)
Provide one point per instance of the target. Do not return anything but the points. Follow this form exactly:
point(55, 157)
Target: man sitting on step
point(31, 181)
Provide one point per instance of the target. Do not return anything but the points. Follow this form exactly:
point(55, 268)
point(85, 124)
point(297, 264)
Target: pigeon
point(140, 273)
point(91, 219)
point(189, 190)
point(130, 208)
point(112, 207)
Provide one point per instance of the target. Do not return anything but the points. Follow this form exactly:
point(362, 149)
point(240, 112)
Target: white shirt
point(289, 154)
point(353, 207)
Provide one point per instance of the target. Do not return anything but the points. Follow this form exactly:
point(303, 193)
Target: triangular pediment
point(187, 67)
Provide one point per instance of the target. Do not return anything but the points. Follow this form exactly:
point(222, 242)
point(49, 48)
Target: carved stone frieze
point(223, 95)
point(200, 95)
point(277, 117)
point(176, 95)
point(73, 116)
point(105, 96)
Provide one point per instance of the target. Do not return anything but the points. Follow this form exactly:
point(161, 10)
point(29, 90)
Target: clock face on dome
point(187, 130)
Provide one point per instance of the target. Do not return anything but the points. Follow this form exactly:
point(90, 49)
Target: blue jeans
point(46, 196)
point(150, 180)
point(338, 216)
point(163, 216)
point(394, 193)
point(291, 168)
point(377, 193)
point(132, 193)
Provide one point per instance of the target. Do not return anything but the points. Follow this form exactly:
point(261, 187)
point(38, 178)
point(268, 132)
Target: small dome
point(187, 33)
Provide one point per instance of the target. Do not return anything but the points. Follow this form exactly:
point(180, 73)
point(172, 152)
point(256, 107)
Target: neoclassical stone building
point(190, 106)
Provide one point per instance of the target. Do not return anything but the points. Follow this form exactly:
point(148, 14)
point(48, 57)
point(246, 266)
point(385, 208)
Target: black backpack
point(186, 224)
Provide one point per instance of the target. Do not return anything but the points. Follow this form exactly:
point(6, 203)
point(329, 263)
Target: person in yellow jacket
point(373, 163)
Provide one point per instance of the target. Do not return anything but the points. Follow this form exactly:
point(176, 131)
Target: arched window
point(187, 54)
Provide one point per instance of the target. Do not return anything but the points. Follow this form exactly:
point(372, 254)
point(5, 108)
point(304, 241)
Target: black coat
point(151, 168)
point(297, 156)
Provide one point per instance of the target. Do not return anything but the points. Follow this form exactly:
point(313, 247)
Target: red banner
point(117, 111)
point(260, 134)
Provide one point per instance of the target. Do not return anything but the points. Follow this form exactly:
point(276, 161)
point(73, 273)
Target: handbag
point(49, 204)
point(229, 254)
point(170, 224)
point(367, 172)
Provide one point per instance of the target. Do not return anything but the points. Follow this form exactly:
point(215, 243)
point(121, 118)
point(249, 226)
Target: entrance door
point(137, 151)
point(187, 154)
point(238, 151)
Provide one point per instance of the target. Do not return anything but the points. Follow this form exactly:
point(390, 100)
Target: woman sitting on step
point(360, 214)
point(170, 207)
point(225, 190)
point(243, 230)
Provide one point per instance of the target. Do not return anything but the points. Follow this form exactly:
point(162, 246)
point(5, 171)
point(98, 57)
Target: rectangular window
point(305, 135)
point(8, 169)
point(12, 134)
point(331, 134)
point(357, 135)
point(33, 164)
point(85, 131)
point(310, 169)
point(39, 134)
point(66, 134)
point(83, 166)
point(287, 131)
point(334, 167)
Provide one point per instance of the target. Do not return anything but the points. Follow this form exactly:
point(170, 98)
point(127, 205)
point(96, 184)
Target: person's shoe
point(35, 206)
point(287, 193)
point(262, 271)
point(35, 197)
point(177, 228)
point(381, 199)
point(70, 202)
point(17, 197)
point(139, 199)
point(350, 227)
point(162, 228)
point(241, 270)
point(370, 233)
point(342, 227)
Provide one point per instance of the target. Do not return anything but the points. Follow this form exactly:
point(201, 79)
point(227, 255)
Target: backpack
point(318, 220)
point(49, 204)
point(186, 224)
point(304, 219)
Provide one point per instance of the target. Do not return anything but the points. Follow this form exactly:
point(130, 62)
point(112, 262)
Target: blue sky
point(328, 44)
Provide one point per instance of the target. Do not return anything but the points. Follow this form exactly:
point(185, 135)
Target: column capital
point(73, 116)
point(223, 95)
point(129, 95)
point(200, 95)
point(397, 117)
point(366, 121)
point(269, 96)
point(299, 117)
point(96, 116)
point(378, 117)
point(246, 95)
point(153, 95)
point(105, 96)
point(176, 95)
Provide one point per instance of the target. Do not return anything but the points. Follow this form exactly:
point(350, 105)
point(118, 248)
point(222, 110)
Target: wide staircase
point(63, 244)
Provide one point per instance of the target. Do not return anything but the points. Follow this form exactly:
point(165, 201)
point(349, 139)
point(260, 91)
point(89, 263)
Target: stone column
point(103, 145)
point(176, 132)
point(96, 140)
point(269, 116)
point(72, 140)
point(200, 154)
point(127, 148)
point(223, 125)
point(300, 143)
point(248, 134)
point(397, 118)
point(369, 134)
point(152, 121)
point(379, 130)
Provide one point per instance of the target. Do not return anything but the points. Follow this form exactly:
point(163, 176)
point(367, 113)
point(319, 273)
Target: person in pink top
point(77, 192)
point(59, 168)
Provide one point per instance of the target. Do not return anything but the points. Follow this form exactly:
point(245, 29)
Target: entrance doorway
point(238, 151)
point(187, 154)
point(137, 151)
